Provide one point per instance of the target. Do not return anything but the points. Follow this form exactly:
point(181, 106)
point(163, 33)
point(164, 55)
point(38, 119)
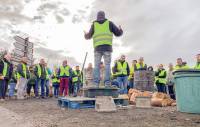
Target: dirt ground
point(46, 113)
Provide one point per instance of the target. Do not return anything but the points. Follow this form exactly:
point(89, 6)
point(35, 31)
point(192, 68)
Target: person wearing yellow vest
point(131, 75)
point(140, 65)
point(12, 84)
point(47, 82)
point(40, 73)
point(31, 82)
point(5, 74)
point(180, 65)
point(160, 79)
point(65, 74)
point(122, 71)
point(197, 66)
point(101, 32)
point(170, 81)
point(22, 75)
point(76, 80)
point(56, 82)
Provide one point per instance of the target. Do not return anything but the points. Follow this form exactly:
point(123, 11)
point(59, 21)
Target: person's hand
point(2, 77)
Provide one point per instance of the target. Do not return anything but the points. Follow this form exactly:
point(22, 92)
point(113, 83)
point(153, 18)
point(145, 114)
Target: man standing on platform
point(102, 31)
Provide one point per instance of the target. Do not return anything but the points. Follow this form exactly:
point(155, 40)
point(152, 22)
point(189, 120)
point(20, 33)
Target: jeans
point(161, 87)
point(47, 87)
point(123, 84)
point(2, 89)
point(42, 84)
point(12, 89)
point(130, 84)
point(56, 89)
point(97, 61)
point(76, 88)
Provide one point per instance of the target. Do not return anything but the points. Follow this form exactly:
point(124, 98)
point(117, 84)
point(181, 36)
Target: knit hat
point(100, 16)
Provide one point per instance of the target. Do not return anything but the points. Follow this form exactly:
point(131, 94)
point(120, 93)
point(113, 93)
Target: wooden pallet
point(84, 102)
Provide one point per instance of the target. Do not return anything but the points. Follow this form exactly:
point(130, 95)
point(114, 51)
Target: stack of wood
point(157, 99)
point(133, 93)
point(162, 100)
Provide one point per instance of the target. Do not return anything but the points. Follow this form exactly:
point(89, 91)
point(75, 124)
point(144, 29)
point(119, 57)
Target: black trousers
point(29, 87)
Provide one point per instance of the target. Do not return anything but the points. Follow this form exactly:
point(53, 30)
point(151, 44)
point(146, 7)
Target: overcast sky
point(160, 31)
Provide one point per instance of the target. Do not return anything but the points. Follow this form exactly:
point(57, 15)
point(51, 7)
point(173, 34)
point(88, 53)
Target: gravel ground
point(46, 113)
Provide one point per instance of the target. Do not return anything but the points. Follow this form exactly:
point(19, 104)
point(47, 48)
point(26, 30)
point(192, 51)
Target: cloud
point(159, 31)
point(54, 57)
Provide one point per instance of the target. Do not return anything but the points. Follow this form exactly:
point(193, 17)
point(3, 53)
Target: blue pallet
point(76, 104)
point(67, 103)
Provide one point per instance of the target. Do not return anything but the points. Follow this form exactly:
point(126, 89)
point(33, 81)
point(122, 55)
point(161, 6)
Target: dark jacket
point(9, 71)
point(115, 70)
point(20, 71)
point(113, 28)
point(43, 72)
point(13, 77)
point(32, 79)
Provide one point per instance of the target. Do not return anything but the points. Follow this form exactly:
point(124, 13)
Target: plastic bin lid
point(186, 71)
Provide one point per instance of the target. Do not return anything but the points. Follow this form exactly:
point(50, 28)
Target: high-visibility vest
point(5, 68)
point(55, 79)
point(197, 66)
point(47, 73)
point(102, 34)
point(39, 70)
point(161, 80)
point(138, 66)
point(64, 71)
point(76, 76)
point(24, 71)
point(131, 73)
point(177, 67)
point(122, 69)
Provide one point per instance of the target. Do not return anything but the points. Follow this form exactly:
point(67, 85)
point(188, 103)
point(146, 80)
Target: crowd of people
point(39, 81)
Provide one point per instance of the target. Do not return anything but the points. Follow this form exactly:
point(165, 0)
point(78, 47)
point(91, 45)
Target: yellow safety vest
point(138, 65)
point(131, 73)
point(55, 79)
point(177, 67)
point(76, 76)
point(197, 66)
point(122, 69)
point(64, 71)
point(24, 71)
point(102, 34)
point(5, 68)
point(161, 80)
point(39, 70)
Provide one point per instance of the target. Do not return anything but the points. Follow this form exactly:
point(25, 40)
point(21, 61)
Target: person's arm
point(115, 30)
point(115, 68)
point(90, 33)
point(1, 67)
point(128, 69)
point(28, 73)
point(35, 71)
point(157, 73)
point(10, 71)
